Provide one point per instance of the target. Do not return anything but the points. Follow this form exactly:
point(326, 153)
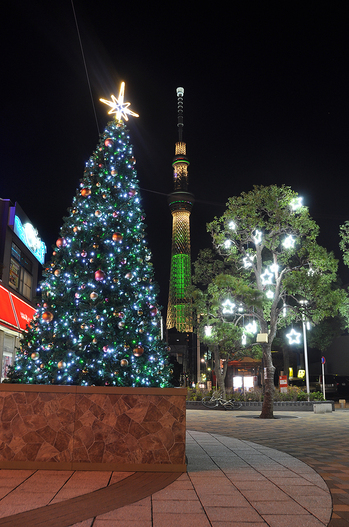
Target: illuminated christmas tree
point(98, 321)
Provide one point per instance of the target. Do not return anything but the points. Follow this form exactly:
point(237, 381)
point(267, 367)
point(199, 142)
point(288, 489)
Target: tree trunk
point(269, 369)
point(217, 369)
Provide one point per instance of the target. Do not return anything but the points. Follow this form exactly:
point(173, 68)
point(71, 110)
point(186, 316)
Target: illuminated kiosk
point(179, 311)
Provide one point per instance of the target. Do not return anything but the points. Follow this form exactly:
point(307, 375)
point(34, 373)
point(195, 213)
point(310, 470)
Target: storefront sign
point(14, 312)
point(30, 238)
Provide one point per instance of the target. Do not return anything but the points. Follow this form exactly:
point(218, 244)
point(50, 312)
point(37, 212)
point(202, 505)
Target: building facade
point(22, 254)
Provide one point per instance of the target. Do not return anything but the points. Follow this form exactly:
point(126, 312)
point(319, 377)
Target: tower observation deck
point(179, 310)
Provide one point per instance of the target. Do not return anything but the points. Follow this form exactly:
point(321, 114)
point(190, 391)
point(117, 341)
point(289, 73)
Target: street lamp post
point(305, 354)
point(305, 350)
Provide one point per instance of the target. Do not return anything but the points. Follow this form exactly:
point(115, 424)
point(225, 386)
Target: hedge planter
point(290, 406)
point(92, 428)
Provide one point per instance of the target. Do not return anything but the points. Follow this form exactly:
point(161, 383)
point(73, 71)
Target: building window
point(8, 354)
point(20, 278)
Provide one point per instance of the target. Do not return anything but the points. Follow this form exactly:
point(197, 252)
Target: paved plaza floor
point(242, 472)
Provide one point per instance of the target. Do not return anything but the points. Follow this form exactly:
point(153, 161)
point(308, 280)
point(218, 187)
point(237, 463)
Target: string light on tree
point(293, 337)
point(267, 277)
point(289, 242)
point(248, 260)
point(251, 327)
point(228, 307)
point(296, 203)
point(257, 237)
point(208, 331)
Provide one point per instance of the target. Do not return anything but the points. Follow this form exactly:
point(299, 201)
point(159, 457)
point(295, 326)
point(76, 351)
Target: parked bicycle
point(217, 400)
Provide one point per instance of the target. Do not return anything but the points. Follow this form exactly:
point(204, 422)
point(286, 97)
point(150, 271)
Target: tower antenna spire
point(180, 123)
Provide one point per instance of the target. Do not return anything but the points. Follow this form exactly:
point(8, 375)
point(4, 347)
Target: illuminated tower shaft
point(179, 310)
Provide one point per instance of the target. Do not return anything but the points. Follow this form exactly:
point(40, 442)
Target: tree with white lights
point(269, 239)
point(221, 323)
point(98, 321)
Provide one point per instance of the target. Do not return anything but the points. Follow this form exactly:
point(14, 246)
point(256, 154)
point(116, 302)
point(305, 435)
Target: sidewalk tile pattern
point(319, 440)
point(229, 482)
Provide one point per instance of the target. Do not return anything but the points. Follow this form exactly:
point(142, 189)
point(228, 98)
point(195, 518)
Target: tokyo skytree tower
point(179, 310)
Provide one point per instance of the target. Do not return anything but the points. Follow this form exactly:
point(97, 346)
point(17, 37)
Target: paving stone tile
point(163, 519)
point(177, 506)
point(232, 513)
point(292, 521)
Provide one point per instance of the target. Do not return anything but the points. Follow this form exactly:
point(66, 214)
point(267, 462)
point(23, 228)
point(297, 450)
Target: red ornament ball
point(109, 142)
point(117, 237)
point(61, 242)
point(85, 192)
point(47, 316)
point(99, 275)
point(132, 192)
point(83, 254)
point(115, 214)
point(153, 311)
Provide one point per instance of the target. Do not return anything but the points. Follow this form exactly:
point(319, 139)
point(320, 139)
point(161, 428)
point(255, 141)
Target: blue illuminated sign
point(29, 236)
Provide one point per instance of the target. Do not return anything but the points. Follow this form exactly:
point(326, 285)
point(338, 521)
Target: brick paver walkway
point(320, 440)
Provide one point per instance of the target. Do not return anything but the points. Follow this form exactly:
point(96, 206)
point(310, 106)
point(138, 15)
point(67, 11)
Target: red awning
point(24, 311)
point(7, 314)
point(14, 312)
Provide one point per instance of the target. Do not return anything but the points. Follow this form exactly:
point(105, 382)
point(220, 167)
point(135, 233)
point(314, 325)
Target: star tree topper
point(118, 106)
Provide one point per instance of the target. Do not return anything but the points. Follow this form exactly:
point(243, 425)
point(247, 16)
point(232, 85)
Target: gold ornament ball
point(138, 352)
point(47, 316)
point(124, 363)
point(85, 192)
point(61, 364)
point(34, 355)
point(93, 295)
point(117, 237)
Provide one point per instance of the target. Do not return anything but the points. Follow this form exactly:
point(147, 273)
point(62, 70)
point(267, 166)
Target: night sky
point(266, 102)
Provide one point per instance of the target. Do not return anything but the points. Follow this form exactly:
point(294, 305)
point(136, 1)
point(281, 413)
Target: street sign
point(323, 360)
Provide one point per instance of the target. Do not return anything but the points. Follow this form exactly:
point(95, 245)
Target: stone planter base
point(92, 428)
